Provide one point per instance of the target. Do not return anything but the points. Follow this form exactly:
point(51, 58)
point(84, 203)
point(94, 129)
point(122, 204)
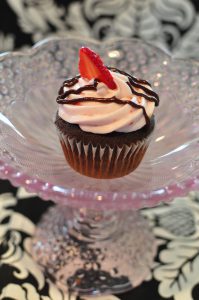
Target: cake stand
point(94, 240)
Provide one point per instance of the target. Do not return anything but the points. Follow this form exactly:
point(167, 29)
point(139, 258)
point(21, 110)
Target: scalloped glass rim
point(72, 196)
point(95, 200)
point(38, 45)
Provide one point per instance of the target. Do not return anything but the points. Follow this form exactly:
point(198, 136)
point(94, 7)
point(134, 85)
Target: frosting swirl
point(98, 109)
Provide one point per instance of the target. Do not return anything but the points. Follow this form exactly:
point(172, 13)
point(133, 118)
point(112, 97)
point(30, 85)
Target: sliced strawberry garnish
point(91, 66)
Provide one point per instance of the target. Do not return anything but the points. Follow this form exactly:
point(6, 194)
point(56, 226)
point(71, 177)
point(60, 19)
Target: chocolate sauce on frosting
point(69, 83)
point(133, 82)
point(138, 83)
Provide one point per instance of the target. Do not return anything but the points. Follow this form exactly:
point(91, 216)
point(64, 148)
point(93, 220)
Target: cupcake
point(104, 118)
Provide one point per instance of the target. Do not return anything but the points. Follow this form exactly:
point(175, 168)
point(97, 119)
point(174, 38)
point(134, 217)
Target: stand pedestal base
point(94, 253)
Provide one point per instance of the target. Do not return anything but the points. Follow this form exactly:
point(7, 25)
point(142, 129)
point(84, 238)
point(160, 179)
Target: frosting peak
point(97, 108)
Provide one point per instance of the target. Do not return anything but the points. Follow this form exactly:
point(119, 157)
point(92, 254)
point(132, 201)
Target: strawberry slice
point(91, 66)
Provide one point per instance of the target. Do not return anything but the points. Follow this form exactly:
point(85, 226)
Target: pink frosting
point(103, 117)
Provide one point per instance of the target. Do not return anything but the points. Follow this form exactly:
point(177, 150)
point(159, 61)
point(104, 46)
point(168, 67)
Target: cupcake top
point(102, 100)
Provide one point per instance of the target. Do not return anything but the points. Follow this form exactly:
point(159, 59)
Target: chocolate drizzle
point(140, 81)
point(107, 100)
point(133, 82)
point(91, 87)
point(152, 99)
point(69, 83)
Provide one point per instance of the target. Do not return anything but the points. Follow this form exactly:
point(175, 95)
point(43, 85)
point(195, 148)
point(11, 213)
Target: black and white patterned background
point(174, 274)
point(170, 24)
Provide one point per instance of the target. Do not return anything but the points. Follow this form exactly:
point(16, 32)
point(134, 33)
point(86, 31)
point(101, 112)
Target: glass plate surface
point(30, 152)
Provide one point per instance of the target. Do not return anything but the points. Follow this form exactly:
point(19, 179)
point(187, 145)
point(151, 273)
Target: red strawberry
point(91, 66)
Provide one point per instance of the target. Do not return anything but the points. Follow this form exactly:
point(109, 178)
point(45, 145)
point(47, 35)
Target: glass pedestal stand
point(93, 252)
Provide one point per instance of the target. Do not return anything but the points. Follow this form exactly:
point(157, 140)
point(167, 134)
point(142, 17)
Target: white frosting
point(103, 117)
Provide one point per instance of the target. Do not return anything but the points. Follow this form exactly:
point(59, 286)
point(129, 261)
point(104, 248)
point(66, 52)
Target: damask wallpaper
point(169, 24)
point(174, 274)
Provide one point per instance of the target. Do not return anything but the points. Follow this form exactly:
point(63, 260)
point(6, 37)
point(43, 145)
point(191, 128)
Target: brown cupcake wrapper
point(102, 162)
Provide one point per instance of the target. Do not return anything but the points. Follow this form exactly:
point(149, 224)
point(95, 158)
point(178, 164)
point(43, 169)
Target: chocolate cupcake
point(104, 119)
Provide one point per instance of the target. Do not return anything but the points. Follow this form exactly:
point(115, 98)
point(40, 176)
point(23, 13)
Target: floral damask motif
point(177, 226)
point(15, 241)
point(15, 249)
point(27, 291)
point(6, 41)
point(160, 22)
point(23, 194)
point(37, 17)
point(170, 24)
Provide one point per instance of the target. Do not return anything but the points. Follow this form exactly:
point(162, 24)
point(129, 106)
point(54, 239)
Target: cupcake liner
point(102, 162)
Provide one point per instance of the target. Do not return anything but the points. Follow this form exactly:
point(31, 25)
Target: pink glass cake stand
point(94, 240)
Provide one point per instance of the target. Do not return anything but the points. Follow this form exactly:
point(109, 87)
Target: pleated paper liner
point(103, 162)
